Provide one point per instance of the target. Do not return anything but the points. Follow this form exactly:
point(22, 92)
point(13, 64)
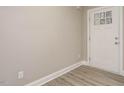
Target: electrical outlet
point(20, 74)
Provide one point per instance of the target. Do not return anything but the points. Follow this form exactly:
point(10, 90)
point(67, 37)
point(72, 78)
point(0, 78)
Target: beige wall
point(38, 41)
point(123, 38)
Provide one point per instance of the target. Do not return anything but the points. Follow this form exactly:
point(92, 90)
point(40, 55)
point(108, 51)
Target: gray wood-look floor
point(87, 76)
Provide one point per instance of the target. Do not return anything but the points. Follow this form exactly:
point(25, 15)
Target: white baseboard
point(52, 76)
point(56, 74)
point(85, 63)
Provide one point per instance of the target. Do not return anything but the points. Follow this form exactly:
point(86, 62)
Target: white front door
point(104, 28)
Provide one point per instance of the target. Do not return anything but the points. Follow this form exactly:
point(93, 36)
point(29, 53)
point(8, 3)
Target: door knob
point(116, 43)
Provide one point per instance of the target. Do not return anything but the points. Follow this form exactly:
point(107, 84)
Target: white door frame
point(121, 39)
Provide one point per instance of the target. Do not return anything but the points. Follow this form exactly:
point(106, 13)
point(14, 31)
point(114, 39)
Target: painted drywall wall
point(123, 38)
point(38, 41)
